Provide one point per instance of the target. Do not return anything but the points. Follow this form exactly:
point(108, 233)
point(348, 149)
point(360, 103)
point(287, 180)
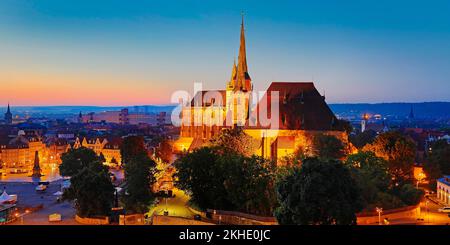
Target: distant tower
point(36, 167)
point(385, 126)
point(411, 114)
point(240, 86)
point(8, 116)
point(80, 118)
point(364, 120)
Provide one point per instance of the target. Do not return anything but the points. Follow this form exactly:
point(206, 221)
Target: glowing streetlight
point(379, 211)
point(420, 177)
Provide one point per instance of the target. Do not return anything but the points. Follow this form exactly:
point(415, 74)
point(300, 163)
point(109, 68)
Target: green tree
point(165, 151)
point(294, 159)
point(250, 183)
point(140, 176)
point(372, 177)
point(346, 125)
point(361, 139)
point(438, 161)
point(235, 140)
point(227, 180)
point(319, 192)
point(328, 147)
point(200, 174)
point(92, 192)
point(75, 160)
point(409, 194)
point(399, 151)
point(131, 146)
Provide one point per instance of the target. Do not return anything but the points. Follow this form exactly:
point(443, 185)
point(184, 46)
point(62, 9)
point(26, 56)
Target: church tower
point(239, 87)
point(8, 116)
point(36, 166)
point(80, 118)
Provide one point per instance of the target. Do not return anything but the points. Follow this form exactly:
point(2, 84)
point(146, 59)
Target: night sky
point(85, 52)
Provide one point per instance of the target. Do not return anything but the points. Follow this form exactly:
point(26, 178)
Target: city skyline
point(117, 54)
point(226, 114)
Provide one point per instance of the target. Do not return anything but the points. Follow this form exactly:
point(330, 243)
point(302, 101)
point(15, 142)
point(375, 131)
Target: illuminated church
point(302, 114)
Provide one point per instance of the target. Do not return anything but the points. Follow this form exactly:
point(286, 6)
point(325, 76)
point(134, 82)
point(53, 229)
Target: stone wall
point(132, 219)
point(92, 221)
point(372, 218)
point(171, 220)
point(238, 218)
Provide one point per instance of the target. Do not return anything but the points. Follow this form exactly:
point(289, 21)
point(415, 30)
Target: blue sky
point(138, 52)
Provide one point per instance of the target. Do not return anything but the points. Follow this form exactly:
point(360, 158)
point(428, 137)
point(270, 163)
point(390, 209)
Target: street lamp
point(379, 211)
point(420, 177)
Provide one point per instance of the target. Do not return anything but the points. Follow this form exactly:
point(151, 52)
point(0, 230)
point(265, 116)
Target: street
point(177, 206)
point(28, 199)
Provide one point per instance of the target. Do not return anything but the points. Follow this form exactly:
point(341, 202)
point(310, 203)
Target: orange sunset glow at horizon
point(38, 89)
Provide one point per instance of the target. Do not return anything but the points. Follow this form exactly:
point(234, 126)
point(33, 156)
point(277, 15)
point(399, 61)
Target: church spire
point(411, 113)
point(8, 116)
point(243, 78)
point(233, 72)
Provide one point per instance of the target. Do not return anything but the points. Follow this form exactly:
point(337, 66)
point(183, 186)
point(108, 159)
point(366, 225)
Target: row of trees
point(325, 190)
point(91, 187)
point(325, 187)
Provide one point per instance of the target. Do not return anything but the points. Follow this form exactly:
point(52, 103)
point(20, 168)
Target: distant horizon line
point(172, 104)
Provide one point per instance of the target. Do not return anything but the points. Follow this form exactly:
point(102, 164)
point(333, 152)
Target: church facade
point(296, 110)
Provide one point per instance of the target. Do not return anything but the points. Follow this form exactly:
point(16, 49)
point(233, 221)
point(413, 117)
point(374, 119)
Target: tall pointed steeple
point(243, 80)
point(233, 72)
point(411, 113)
point(36, 166)
point(232, 83)
point(8, 116)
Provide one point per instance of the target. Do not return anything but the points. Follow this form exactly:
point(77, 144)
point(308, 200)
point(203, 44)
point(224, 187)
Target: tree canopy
point(361, 139)
point(200, 174)
point(92, 192)
point(328, 147)
point(75, 160)
point(140, 176)
point(235, 140)
point(164, 151)
point(318, 192)
point(438, 161)
point(372, 176)
point(346, 125)
point(398, 150)
point(249, 183)
point(227, 180)
point(131, 146)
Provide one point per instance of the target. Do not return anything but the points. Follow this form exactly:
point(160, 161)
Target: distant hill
point(72, 110)
point(421, 110)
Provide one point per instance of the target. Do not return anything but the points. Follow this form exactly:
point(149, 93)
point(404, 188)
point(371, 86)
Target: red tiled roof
point(301, 107)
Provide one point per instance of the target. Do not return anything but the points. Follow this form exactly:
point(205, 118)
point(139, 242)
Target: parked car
point(444, 210)
point(46, 183)
point(41, 188)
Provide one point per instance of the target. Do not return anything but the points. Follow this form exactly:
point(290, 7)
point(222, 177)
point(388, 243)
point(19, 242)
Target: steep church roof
point(300, 107)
